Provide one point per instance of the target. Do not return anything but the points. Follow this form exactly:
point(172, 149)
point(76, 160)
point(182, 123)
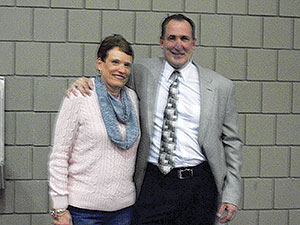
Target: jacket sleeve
point(64, 138)
point(232, 149)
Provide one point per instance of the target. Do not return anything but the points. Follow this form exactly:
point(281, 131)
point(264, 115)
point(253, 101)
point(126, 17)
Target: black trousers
point(168, 200)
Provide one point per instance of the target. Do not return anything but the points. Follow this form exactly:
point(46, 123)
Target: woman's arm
point(64, 139)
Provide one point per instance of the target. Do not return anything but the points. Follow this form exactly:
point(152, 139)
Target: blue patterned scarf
point(114, 111)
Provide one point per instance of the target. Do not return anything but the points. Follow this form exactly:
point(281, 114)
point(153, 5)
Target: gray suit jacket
point(218, 129)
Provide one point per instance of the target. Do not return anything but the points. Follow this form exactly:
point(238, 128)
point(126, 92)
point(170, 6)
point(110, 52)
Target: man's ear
point(194, 43)
point(161, 42)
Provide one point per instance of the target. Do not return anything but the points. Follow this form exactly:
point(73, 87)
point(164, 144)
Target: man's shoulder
point(214, 76)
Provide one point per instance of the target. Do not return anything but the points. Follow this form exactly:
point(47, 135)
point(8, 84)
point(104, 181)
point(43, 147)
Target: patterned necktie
point(168, 138)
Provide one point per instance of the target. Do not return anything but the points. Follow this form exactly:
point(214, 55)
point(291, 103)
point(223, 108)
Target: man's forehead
point(178, 28)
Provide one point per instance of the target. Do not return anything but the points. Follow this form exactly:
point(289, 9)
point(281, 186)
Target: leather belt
point(183, 173)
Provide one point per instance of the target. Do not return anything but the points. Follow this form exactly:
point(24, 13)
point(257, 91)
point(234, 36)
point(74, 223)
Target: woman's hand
point(82, 84)
point(65, 219)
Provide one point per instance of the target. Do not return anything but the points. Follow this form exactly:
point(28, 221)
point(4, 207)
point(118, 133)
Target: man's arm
point(83, 85)
point(232, 146)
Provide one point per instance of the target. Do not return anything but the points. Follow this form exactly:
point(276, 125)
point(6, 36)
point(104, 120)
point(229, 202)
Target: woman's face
point(115, 70)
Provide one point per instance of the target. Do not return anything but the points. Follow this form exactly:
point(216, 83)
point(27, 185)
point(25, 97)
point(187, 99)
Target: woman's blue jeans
point(93, 217)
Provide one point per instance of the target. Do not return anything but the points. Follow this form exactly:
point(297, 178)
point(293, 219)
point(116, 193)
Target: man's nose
point(178, 45)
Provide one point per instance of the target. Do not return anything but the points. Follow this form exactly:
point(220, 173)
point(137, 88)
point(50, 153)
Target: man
point(189, 163)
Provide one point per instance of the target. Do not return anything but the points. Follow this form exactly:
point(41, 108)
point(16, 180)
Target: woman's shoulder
point(130, 92)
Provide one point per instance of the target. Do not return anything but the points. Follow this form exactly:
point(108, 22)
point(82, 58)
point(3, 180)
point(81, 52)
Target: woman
point(96, 137)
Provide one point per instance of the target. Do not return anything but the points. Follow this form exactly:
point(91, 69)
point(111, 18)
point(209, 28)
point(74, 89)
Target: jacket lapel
point(206, 100)
point(152, 90)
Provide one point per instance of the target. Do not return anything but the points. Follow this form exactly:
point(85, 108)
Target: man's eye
point(171, 38)
point(115, 62)
point(185, 39)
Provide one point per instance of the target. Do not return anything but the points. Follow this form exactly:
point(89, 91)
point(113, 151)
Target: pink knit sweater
point(86, 169)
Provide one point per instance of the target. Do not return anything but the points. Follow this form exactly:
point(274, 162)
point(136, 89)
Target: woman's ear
point(99, 64)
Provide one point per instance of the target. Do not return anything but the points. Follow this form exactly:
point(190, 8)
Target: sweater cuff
point(60, 202)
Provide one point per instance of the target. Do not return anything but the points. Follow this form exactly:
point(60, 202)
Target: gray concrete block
point(288, 132)
point(288, 65)
point(296, 99)
point(38, 3)
point(7, 58)
point(31, 196)
point(232, 6)
point(103, 4)
point(231, 63)
point(253, 197)
point(50, 25)
point(289, 8)
point(90, 58)
point(277, 97)
point(215, 30)
point(14, 219)
point(242, 127)
point(7, 197)
point(152, 21)
point(7, 2)
point(66, 59)
point(278, 32)
point(245, 217)
point(294, 217)
point(135, 5)
point(40, 162)
point(18, 163)
point(273, 217)
point(261, 64)
point(116, 22)
point(168, 5)
point(41, 219)
point(141, 51)
point(156, 52)
point(18, 93)
point(295, 161)
point(205, 57)
point(260, 130)
point(41, 128)
point(10, 128)
point(16, 24)
point(297, 33)
point(248, 97)
point(32, 58)
point(67, 3)
point(53, 122)
point(200, 6)
point(48, 93)
point(251, 161)
point(24, 128)
point(275, 162)
point(84, 26)
point(247, 31)
point(263, 7)
point(287, 199)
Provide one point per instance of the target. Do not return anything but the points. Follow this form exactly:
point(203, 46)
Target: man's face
point(178, 43)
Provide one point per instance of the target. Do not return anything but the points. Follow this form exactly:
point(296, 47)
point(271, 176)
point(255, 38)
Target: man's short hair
point(178, 17)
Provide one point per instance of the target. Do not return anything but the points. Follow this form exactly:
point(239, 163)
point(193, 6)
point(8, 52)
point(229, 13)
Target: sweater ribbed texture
point(86, 169)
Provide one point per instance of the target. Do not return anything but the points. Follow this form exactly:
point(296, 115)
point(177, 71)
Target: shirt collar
point(168, 70)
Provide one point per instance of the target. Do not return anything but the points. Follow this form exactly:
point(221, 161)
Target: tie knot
point(175, 75)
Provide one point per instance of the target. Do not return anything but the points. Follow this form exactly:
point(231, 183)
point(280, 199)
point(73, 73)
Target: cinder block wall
point(46, 44)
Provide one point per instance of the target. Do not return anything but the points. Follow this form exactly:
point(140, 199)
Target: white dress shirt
point(188, 152)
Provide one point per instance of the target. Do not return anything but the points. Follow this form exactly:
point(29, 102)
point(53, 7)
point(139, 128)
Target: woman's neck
point(114, 92)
